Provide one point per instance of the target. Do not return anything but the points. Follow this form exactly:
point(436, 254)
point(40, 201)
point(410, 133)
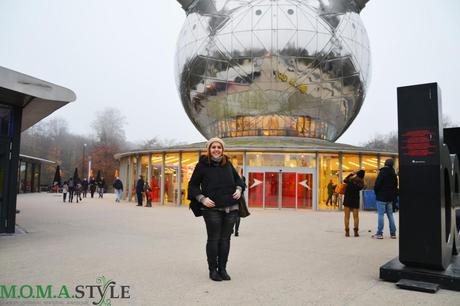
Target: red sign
point(418, 143)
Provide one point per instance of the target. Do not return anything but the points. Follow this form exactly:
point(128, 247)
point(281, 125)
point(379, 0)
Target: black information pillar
point(425, 180)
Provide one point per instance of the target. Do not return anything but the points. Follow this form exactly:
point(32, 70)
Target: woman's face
point(216, 150)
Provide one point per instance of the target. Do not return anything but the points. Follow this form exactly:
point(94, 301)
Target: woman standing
point(355, 182)
point(217, 186)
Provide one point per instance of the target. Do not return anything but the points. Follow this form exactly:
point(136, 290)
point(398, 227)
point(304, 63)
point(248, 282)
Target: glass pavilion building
point(280, 81)
point(281, 172)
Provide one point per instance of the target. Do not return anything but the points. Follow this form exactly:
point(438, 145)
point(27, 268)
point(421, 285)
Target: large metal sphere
point(272, 67)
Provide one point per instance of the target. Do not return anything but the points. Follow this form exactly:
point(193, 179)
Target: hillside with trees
point(51, 139)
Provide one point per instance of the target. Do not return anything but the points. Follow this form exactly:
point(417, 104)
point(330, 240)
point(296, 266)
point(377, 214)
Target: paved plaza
point(282, 257)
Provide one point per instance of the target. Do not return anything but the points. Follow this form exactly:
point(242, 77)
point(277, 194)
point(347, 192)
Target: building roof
point(265, 144)
point(35, 159)
point(37, 98)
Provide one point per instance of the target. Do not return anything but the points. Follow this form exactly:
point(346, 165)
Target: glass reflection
point(291, 160)
point(189, 161)
point(171, 168)
point(370, 165)
point(134, 179)
point(284, 68)
point(328, 180)
point(156, 162)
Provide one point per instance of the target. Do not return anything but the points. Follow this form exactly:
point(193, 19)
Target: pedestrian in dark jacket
point(139, 190)
point(355, 183)
point(71, 185)
point(216, 184)
point(118, 187)
point(386, 192)
point(84, 186)
point(238, 219)
point(101, 187)
point(92, 186)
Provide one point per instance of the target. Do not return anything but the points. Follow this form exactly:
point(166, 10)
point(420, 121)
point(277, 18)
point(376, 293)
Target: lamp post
point(89, 167)
point(83, 162)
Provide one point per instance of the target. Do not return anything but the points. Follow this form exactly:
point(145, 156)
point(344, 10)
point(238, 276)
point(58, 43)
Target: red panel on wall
point(271, 189)
point(288, 196)
point(255, 189)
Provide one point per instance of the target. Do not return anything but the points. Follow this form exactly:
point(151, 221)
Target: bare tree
point(389, 142)
point(109, 127)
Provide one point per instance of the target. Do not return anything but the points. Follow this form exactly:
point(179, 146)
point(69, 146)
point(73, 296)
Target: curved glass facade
point(274, 179)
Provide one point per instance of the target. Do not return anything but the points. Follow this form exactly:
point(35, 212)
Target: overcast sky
point(120, 53)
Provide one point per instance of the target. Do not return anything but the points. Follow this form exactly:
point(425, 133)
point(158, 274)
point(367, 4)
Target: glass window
point(189, 161)
point(155, 179)
point(36, 175)
point(22, 177)
point(369, 164)
point(28, 177)
point(171, 167)
point(134, 179)
point(291, 160)
point(4, 120)
point(328, 180)
point(145, 167)
point(237, 161)
point(350, 163)
point(126, 188)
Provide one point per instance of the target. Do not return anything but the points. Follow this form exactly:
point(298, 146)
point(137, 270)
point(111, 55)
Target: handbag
point(243, 210)
point(195, 206)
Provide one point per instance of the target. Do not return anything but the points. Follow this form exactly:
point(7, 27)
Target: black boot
point(224, 275)
point(214, 275)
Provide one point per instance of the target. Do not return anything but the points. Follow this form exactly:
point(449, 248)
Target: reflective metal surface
point(273, 67)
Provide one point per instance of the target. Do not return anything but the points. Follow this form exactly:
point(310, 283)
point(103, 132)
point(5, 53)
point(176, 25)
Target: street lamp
point(83, 162)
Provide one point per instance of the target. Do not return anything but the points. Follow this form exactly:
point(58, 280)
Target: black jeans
point(219, 226)
point(139, 198)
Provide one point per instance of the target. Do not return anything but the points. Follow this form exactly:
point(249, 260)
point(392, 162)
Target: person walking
point(330, 193)
point(84, 187)
point(118, 187)
point(386, 192)
point(101, 187)
point(218, 187)
point(65, 189)
point(139, 190)
point(71, 185)
point(238, 219)
point(92, 186)
point(355, 182)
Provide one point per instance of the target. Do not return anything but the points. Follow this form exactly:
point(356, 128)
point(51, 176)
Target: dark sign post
point(427, 220)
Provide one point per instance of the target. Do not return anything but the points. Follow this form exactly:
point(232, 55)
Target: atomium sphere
point(273, 67)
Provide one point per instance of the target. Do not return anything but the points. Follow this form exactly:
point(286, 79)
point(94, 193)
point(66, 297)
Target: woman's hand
point(237, 194)
point(208, 202)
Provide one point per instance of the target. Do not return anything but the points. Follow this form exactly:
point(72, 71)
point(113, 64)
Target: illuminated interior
point(275, 180)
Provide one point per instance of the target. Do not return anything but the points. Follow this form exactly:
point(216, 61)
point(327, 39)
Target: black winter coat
point(386, 185)
point(215, 182)
point(354, 185)
point(140, 186)
point(117, 184)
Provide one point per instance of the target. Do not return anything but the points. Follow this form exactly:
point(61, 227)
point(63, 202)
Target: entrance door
point(272, 187)
point(256, 189)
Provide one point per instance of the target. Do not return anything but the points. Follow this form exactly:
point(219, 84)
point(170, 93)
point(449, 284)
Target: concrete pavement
point(282, 257)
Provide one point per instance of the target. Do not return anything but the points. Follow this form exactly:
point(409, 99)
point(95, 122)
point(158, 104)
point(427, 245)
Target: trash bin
point(369, 202)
